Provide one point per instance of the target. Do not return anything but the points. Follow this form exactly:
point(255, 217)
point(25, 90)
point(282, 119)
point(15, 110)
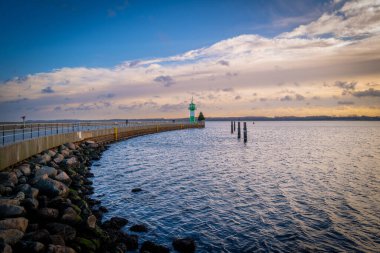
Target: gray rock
point(18, 173)
point(8, 179)
point(64, 178)
point(5, 190)
point(139, 228)
point(67, 232)
point(71, 162)
point(65, 153)
point(59, 249)
point(51, 153)
point(7, 201)
point(5, 248)
point(30, 246)
point(25, 169)
point(22, 180)
point(10, 211)
point(58, 158)
point(25, 188)
point(70, 216)
point(47, 213)
point(14, 223)
point(51, 187)
point(20, 196)
point(50, 171)
point(41, 235)
point(70, 145)
point(57, 240)
point(91, 221)
point(43, 159)
point(30, 203)
point(11, 236)
point(184, 245)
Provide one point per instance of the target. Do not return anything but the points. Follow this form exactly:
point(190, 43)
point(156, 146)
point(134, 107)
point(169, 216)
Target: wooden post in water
point(232, 127)
point(245, 132)
point(239, 132)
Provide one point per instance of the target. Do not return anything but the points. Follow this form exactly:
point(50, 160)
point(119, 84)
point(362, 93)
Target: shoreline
point(46, 205)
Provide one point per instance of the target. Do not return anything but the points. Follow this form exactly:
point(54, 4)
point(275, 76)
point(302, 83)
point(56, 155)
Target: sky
point(67, 59)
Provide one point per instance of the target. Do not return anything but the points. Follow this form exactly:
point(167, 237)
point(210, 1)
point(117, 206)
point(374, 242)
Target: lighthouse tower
point(192, 109)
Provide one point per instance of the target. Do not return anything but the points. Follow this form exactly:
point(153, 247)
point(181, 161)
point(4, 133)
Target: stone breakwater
point(46, 206)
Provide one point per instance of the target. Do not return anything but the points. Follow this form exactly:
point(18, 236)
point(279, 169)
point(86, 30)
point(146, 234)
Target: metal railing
point(11, 133)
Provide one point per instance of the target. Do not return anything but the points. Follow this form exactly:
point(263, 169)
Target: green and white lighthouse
point(192, 109)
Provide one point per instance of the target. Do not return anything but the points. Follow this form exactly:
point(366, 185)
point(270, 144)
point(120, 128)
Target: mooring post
point(232, 127)
point(245, 131)
point(239, 132)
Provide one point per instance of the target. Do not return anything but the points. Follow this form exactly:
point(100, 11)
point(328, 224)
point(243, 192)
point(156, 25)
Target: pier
point(21, 141)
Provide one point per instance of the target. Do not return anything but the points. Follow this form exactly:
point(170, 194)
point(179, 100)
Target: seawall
point(19, 151)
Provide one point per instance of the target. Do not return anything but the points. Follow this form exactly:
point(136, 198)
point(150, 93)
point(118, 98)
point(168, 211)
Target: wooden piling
point(232, 127)
point(245, 131)
point(239, 132)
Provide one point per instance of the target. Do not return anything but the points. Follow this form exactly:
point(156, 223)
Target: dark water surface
point(295, 186)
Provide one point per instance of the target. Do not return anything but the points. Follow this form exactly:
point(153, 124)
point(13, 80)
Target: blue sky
point(66, 59)
point(42, 35)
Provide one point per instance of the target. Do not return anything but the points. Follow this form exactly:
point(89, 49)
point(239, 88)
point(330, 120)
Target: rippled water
point(295, 186)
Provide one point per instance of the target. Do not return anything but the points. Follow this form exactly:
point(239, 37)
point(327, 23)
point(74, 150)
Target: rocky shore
point(46, 206)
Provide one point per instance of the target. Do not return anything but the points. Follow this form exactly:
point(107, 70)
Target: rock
point(6, 201)
point(58, 158)
point(59, 249)
point(41, 235)
point(47, 213)
point(131, 241)
point(51, 153)
point(71, 146)
point(10, 211)
point(139, 228)
point(67, 232)
point(115, 223)
point(91, 221)
point(29, 246)
point(25, 169)
point(51, 187)
point(32, 227)
point(30, 203)
point(14, 223)
point(103, 209)
point(50, 171)
point(65, 153)
point(20, 196)
point(5, 248)
point(63, 177)
point(8, 179)
point(136, 190)
point(57, 240)
point(58, 203)
point(86, 244)
point(184, 245)
point(5, 190)
point(151, 247)
point(22, 180)
point(18, 173)
point(71, 162)
point(11, 236)
point(70, 216)
point(43, 159)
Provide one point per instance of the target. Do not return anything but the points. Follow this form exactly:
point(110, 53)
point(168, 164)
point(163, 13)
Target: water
point(295, 186)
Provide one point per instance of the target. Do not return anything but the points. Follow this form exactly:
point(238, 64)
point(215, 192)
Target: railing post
point(38, 130)
point(31, 131)
point(3, 135)
point(45, 129)
point(14, 134)
point(23, 131)
point(57, 128)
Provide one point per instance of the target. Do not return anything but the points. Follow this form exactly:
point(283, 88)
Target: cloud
point(238, 97)
point(47, 90)
point(167, 81)
point(286, 98)
point(228, 89)
point(345, 102)
point(299, 97)
point(108, 95)
point(346, 85)
point(224, 63)
point(371, 92)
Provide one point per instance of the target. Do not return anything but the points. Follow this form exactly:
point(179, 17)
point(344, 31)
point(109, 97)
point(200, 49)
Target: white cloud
point(339, 46)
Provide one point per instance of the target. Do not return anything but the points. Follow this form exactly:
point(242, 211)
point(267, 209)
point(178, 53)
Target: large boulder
point(70, 216)
point(11, 236)
point(67, 232)
point(71, 146)
point(14, 223)
point(91, 221)
point(10, 211)
point(184, 245)
point(9, 201)
point(50, 171)
point(71, 162)
point(63, 177)
point(51, 187)
point(25, 169)
point(151, 247)
point(139, 228)
point(47, 213)
point(115, 223)
point(58, 158)
point(59, 249)
point(8, 179)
